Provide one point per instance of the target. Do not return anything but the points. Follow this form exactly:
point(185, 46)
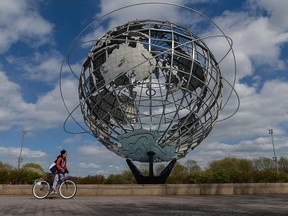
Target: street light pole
point(274, 158)
point(24, 132)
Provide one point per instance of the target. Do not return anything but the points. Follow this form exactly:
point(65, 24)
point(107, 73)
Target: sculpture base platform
point(151, 179)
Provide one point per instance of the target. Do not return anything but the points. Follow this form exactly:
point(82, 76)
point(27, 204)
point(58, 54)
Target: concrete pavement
point(146, 205)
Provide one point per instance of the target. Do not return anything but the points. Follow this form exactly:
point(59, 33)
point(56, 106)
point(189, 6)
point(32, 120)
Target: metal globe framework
point(150, 90)
point(150, 85)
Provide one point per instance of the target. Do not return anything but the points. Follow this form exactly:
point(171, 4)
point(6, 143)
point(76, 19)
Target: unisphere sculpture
point(150, 91)
point(150, 86)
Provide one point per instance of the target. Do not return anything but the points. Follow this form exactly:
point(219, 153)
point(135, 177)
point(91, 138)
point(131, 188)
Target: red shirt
point(61, 164)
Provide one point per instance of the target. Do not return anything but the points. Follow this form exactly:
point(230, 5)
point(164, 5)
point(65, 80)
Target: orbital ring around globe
point(149, 85)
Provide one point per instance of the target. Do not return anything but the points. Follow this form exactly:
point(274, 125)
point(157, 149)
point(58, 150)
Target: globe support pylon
point(151, 179)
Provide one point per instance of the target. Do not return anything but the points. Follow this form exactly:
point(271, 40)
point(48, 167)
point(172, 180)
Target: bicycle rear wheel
point(67, 189)
point(41, 189)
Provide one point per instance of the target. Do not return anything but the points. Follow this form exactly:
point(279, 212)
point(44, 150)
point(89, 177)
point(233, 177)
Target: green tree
point(5, 173)
point(33, 167)
point(224, 176)
point(159, 168)
point(241, 165)
point(144, 168)
point(30, 172)
point(5, 166)
point(283, 164)
point(265, 176)
point(192, 166)
point(263, 163)
point(97, 179)
point(196, 178)
point(126, 177)
point(112, 179)
point(231, 170)
point(178, 174)
point(179, 169)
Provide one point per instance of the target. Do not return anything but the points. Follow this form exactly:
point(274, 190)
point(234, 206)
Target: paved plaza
point(145, 205)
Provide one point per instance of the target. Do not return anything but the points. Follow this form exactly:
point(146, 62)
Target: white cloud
point(92, 151)
point(73, 140)
point(257, 40)
point(143, 11)
point(88, 166)
point(276, 9)
point(42, 67)
point(96, 159)
point(245, 135)
point(20, 21)
point(258, 111)
point(15, 152)
point(12, 105)
point(246, 149)
point(136, 10)
point(99, 153)
point(47, 112)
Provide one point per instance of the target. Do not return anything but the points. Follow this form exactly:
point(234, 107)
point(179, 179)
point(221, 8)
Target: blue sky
point(35, 36)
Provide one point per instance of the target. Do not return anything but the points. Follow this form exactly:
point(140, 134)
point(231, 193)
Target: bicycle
point(41, 188)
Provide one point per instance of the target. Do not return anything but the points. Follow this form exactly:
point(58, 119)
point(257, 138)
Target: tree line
point(227, 170)
point(26, 175)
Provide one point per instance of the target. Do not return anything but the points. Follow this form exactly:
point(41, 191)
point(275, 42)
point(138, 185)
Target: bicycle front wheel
point(41, 189)
point(67, 189)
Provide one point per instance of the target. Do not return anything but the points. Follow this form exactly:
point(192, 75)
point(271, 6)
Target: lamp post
point(274, 158)
point(24, 132)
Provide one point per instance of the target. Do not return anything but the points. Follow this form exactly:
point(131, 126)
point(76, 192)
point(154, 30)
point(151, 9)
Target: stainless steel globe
point(150, 86)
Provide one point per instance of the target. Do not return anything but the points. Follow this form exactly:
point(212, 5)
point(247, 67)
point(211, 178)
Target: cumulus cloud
point(20, 21)
point(42, 67)
point(12, 104)
point(145, 11)
point(96, 159)
point(72, 140)
point(246, 134)
point(49, 109)
point(26, 152)
point(259, 111)
point(124, 11)
point(99, 153)
point(276, 10)
point(47, 112)
point(88, 165)
point(92, 151)
point(255, 42)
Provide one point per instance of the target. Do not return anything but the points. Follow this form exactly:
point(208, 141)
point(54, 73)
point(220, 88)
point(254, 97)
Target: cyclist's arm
point(58, 164)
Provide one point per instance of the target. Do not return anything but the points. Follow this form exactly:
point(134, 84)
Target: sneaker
point(53, 191)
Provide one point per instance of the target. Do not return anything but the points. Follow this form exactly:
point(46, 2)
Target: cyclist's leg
point(61, 177)
point(56, 180)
